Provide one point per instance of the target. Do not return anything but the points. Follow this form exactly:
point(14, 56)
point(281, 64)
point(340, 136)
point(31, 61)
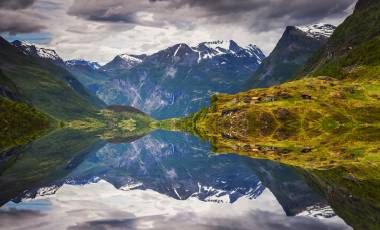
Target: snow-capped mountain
point(179, 79)
point(124, 61)
point(296, 46)
point(35, 51)
point(89, 73)
point(318, 211)
point(209, 50)
point(84, 63)
point(318, 30)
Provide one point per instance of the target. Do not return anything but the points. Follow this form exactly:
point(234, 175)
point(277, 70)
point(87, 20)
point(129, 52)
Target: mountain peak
point(82, 62)
point(124, 61)
point(130, 58)
point(317, 30)
point(31, 49)
point(221, 44)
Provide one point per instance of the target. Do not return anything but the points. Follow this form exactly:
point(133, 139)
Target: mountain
point(354, 44)
point(179, 80)
point(83, 63)
point(30, 49)
point(326, 122)
point(40, 82)
point(90, 74)
point(296, 46)
point(124, 61)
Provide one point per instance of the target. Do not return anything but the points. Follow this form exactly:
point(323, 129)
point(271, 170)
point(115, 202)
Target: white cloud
point(155, 26)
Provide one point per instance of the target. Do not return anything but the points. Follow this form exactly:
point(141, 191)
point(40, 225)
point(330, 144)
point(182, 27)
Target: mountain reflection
point(76, 166)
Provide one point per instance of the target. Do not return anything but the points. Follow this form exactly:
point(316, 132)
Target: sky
point(98, 30)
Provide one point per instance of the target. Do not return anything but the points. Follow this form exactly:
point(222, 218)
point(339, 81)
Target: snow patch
point(318, 30)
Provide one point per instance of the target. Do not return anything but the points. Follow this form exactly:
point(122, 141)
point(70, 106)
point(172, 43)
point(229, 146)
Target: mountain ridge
point(293, 50)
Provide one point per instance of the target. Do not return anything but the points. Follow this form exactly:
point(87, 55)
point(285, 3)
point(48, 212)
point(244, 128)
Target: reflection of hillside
point(48, 160)
point(357, 201)
point(43, 161)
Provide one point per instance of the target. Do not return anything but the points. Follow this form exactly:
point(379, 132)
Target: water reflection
point(72, 179)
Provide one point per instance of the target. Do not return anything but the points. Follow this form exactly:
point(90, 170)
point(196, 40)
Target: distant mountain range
point(180, 79)
point(172, 82)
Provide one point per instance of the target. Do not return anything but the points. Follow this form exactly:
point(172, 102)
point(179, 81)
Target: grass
point(20, 123)
point(116, 125)
point(356, 42)
point(315, 123)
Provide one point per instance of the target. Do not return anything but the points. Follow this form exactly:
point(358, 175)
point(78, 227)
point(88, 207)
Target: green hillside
point(20, 123)
point(48, 87)
point(355, 43)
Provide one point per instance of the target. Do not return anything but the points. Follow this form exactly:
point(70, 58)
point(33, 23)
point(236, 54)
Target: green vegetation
point(47, 159)
point(49, 88)
point(355, 200)
point(316, 123)
point(356, 42)
point(20, 123)
point(286, 60)
point(116, 124)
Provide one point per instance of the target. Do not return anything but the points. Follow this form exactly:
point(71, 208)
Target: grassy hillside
point(46, 86)
point(356, 42)
point(311, 123)
point(328, 128)
point(20, 123)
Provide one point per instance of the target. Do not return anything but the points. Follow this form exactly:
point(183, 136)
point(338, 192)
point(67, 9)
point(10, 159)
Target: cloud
point(262, 15)
point(98, 30)
point(15, 4)
point(101, 206)
point(15, 22)
point(16, 18)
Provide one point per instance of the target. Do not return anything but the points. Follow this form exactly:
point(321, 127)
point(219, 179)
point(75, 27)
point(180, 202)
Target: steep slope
point(179, 80)
point(47, 57)
point(291, 53)
point(88, 73)
point(356, 42)
point(48, 87)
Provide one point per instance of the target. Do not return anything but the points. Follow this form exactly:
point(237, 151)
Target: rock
point(306, 97)
point(246, 99)
point(309, 86)
point(284, 95)
point(255, 100)
point(228, 137)
point(229, 112)
point(283, 114)
point(269, 99)
point(247, 148)
point(349, 90)
point(325, 78)
point(306, 150)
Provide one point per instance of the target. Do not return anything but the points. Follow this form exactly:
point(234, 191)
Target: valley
point(290, 139)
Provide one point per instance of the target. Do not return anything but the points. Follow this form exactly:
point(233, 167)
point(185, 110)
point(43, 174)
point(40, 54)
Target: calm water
point(165, 180)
